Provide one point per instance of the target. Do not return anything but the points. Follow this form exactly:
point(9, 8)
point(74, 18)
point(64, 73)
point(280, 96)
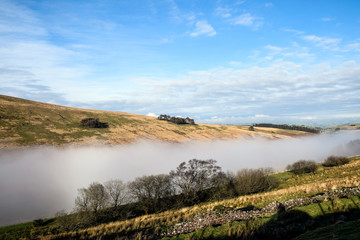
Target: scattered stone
point(216, 218)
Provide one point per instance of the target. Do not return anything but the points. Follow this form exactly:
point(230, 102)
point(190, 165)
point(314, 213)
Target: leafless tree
point(148, 190)
point(92, 198)
point(195, 175)
point(116, 190)
point(82, 201)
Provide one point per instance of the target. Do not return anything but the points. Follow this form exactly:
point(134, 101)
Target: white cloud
point(223, 12)
point(327, 19)
point(151, 114)
point(297, 32)
point(16, 19)
point(355, 46)
point(247, 20)
point(261, 116)
point(324, 42)
point(274, 48)
point(304, 117)
point(203, 28)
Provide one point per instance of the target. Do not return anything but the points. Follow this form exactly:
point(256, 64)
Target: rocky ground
point(216, 217)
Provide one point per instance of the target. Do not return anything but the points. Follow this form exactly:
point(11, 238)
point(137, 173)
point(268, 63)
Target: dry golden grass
point(24, 122)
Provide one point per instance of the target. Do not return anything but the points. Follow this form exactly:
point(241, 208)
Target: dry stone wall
point(214, 218)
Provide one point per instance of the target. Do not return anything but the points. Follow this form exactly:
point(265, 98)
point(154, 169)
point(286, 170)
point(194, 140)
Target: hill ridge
point(26, 122)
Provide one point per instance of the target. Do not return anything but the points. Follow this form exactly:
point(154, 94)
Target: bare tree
point(92, 198)
point(117, 192)
point(148, 190)
point(195, 175)
point(82, 201)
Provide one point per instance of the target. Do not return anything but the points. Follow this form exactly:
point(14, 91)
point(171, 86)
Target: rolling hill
point(25, 122)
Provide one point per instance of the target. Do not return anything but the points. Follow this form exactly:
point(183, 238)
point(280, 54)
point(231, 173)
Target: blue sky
point(217, 61)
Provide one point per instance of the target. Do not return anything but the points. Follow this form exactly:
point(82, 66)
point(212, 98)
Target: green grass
point(23, 230)
point(342, 230)
point(297, 215)
point(332, 206)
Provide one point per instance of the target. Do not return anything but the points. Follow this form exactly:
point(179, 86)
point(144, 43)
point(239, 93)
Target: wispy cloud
point(223, 12)
point(15, 19)
point(327, 19)
point(281, 88)
point(324, 42)
point(355, 46)
point(268, 5)
point(247, 20)
point(297, 32)
point(203, 28)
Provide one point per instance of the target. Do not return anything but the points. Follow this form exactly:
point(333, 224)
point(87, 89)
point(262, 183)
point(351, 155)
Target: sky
point(227, 62)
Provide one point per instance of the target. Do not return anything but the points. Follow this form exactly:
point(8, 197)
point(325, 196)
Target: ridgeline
point(24, 122)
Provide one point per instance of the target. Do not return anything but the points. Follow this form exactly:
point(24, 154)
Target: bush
point(38, 222)
point(335, 161)
point(302, 166)
point(254, 180)
point(93, 123)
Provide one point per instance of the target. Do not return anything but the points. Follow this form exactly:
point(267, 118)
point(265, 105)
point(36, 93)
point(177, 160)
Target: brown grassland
point(24, 122)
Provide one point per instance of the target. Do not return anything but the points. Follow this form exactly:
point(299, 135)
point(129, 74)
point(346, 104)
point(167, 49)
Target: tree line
point(191, 182)
point(289, 127)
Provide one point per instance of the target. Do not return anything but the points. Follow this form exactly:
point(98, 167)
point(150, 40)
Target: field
point(24, 123)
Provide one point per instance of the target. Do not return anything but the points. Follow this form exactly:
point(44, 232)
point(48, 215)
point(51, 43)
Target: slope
point(313, 201)
point(25, 122)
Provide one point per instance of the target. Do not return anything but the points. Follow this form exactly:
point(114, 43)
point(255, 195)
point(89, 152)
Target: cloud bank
point(38, 182)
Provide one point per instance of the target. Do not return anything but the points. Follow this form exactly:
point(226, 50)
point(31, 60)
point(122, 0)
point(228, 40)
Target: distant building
point(177, 120)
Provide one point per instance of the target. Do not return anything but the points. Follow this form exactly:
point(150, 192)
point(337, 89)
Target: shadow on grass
point(288, 225)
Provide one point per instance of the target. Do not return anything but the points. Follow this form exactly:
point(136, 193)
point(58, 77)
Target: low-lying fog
point(38, 182)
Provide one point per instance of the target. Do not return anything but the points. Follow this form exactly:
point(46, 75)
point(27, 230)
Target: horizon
point(221, 62)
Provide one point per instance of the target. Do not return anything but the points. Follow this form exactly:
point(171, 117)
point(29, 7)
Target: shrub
point(38, 222)
point(93, 123)
point(254, 180)
point(335, 161)
point(302, 166)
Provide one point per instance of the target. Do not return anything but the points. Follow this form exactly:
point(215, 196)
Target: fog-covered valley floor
point(37, 182)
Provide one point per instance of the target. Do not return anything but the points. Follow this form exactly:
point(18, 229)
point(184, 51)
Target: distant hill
point(25, 122)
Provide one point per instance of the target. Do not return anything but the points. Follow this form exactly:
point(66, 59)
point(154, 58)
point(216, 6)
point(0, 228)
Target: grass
point(23, 230)
point(298, 215)
point(344, 230)
point(24, 122)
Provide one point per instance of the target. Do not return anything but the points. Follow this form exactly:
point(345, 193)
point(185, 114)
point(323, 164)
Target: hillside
point(24, 122)
point(324, 204)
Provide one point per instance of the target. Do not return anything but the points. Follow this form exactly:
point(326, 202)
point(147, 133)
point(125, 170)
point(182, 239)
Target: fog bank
point(37, 182)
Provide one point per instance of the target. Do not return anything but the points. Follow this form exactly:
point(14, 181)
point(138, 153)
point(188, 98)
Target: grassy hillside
point(24, 122)
point(334, 213)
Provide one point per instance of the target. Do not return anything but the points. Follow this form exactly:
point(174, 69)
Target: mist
point(37, 182)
